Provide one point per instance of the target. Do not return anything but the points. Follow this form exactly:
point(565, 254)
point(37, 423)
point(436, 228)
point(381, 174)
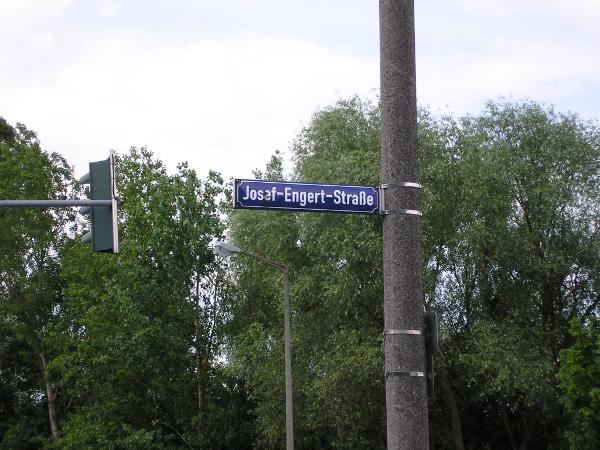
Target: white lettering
point(302, 198)
point(305, 198)
point(246, 197)
point(337, 199)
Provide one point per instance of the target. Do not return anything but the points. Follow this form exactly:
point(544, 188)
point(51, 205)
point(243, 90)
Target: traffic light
point(431, 347)
point(104, 234)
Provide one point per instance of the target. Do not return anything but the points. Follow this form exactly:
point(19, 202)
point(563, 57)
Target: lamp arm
point(275, 264)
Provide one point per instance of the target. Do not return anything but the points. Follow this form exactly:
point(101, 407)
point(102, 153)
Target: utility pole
point(406, 391)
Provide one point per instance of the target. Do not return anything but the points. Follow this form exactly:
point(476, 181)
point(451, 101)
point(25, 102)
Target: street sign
point(290, 196)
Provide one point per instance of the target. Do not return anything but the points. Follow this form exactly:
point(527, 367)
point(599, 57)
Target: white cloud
point(479, 50)
point(43, 41)
point(221, 104)
point(105, 8)
point(20, 17)
point(193, 82)
point(516, 68)
point(582, 9)
point(19, 10)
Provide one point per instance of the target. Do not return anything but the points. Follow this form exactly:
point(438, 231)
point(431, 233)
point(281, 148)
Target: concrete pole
point(406, 391)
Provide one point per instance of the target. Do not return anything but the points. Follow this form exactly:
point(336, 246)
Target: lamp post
point(225, 249)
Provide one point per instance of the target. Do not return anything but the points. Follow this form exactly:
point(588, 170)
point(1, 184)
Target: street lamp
point(225, 249)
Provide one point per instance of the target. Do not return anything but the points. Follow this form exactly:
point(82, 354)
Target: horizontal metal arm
point(278, 265)
point(52, 203)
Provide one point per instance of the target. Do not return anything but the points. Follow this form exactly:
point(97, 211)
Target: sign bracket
point(397, 211)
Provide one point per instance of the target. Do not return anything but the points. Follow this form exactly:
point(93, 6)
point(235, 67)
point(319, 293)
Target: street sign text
point(306, 196)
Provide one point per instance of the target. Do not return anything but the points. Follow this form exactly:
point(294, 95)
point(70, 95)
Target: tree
point(336, 286)
point(123, 351)
point(518, 263)
point(510, 255)
point(141, 333)
point(161, 346)
point(30, 289)
point(579, 377)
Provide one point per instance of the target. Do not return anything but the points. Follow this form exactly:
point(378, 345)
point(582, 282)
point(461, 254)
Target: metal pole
point(287, 342)
point(406, 392)
point(289, 412)
point(52, 203)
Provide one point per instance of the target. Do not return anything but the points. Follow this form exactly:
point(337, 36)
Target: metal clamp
point(398, 211)
point(388, 332)
point(400, 184)
point(400, 373)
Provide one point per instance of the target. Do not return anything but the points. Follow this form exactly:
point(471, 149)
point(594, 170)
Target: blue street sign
point(282, 195)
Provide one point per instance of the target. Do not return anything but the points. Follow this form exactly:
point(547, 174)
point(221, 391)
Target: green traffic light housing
point(104, 233)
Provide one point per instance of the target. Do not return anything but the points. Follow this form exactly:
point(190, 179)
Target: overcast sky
point(223, 84)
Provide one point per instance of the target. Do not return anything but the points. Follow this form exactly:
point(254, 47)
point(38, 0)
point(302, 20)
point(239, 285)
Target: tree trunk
point(524, 445)
point(508, 428)
point(50, 396)
point(200, 362)
point(200, 387)
point(457, 435)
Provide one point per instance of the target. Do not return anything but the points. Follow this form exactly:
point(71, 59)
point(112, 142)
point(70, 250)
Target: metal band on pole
point(400, 211)
point(396, 211)
point(389, 332)
point(401, 184)
point(400, 373)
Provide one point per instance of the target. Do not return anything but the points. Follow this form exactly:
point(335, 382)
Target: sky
point(224, 84)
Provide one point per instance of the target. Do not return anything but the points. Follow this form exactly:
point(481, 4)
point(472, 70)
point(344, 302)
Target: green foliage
point(524, 373)
point(128, 344)
point(143, 328)
point(30, 289)
point(163, 347)
point(579, 377)
point(341, 390)
point(336, 287)
point(510, 255)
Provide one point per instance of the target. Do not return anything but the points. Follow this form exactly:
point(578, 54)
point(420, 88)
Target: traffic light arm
point(52, 203)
